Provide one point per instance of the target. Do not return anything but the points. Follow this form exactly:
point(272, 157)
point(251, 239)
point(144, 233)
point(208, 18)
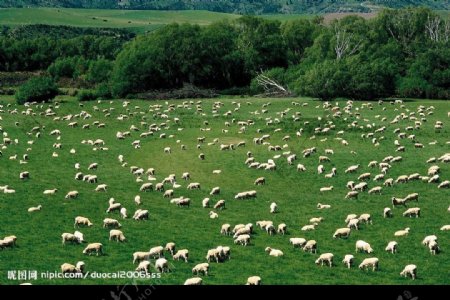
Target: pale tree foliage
point(271, 87)
point(402, 27)
point(437, 30)
point(432, 28)
point(346, 43)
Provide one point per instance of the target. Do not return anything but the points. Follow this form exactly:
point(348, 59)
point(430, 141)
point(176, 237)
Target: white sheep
point(413, 211)
point(370, 262)
point(225, 229)
point(69, 237)
point(409, 270)
point(310, 246)
point(403, 232)
point(213, 215)
point(253, 280)
point(297, 242)
point(326, 189)
point(273, 208)
point(36, 208)
point(93, 247)
point(143, 266)
point(220, 204)
point(201, 268)
point(193, 281)
point(50, 192)
point(157, 251)
point(353, 223)
point(434, 247)
point(348, 260)
point(274, 252)
point(363, 246)
point(392, 247)
point(71, 195)
point(162, 265)
point(282, 228)
point(181, 254)
point(243, 239)
point(428, 239)
point(101, 187)
point(323, 206)
point(82, 221)
point(117, 235)
point(325, 258)
point(140, 256)
point(387, 213)
point(366, 218)
point(308, 227)
point(141, 214)
point(342, 232)
point(205, 203)
point(107, 222)
point(445, 228)
point(148, 186)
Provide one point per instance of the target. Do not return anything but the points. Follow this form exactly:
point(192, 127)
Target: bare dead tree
point(271, 87)
point(345, 43)
point(402, 29)
point(432, 28)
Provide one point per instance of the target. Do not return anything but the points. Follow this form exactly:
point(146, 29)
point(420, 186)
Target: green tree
point(37, 89)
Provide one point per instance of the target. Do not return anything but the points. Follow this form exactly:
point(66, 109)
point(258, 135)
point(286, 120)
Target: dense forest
point(399, 53)
point(235, 6)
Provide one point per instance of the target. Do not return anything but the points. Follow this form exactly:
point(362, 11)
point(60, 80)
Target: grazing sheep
point(389, 182)
point(428, 239)
point(434, 247)
point(398, 201)
point(220, 204)
point(348, 260)
point(201, 268)
point(140, 256)
point(162, 265)
point(325, 258)
point(342, 232)
point(282, 228)
point(392, 247)
point(143, 266)
point(181, 254)
point(107, 222)
point(117, 235)
point(205, 203)
point(323, 206)
point(349, 217)
point(193, 186)
point(213, 254)
point(50, 192)
point(82, 221)
point(36, 208)
point(308, 227)
point(326, 189)
point(301, 168)
point(243, 239)
point(274, 252)
point(413, 211)
point(353, 223)
point(403, 232)
point(69, 268)
point(113, 207)
point(412, 197)
point(310, 246)
point(93, 247)
point(141, 214)
point(366, 218)
point(352, 194)
point(363, 246)
point(260, 181)
point(170, 247)
point(445, 228)
point(225, 229)
point(79, 236)
point(68, 237)
point(24, 175)
point(376, 189)
point(71, 195)
point(148, 186)
point(297, 242)
point(254, 280)
point(387, 213)
point(444, 184)
point(213, 215)
point(369, 262)
point(273, 208)
point(409, 270)
point(193, 281)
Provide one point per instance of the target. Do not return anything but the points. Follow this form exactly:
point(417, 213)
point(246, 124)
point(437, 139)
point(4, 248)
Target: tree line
point(399, 53)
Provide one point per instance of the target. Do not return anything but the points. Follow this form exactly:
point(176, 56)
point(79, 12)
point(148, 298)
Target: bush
point(38, 89)
point(103, 91)
point(87, 96)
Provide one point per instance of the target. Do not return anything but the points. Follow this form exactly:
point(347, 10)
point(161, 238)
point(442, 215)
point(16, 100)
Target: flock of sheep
point(373, 179)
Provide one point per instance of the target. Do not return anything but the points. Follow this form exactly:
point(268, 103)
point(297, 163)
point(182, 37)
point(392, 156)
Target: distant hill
point(235, 6)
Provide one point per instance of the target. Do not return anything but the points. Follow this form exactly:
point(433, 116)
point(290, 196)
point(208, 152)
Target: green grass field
point(135, 20)
point(297, 194)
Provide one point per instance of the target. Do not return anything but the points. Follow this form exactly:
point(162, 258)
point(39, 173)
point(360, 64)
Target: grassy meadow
point(296, 193)
point(135, 20)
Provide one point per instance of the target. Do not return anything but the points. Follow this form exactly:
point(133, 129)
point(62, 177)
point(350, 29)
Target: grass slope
point(136, 20)
point(39, 234)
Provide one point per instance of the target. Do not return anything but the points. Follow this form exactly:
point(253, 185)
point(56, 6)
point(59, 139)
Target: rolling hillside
point(235, 6)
